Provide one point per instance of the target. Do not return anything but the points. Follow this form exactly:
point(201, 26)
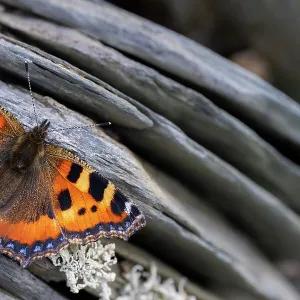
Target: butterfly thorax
point(28, 147)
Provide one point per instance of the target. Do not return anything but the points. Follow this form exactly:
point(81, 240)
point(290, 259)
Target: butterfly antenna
point(30, 91)
point(84, 126)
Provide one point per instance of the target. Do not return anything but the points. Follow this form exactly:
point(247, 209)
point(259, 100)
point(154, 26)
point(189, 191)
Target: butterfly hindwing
point(87, 205)
point(26, 241)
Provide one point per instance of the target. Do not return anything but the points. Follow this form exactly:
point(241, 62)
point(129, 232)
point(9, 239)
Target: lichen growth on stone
point(149, 286)
point(90, 266)
point(87, 266)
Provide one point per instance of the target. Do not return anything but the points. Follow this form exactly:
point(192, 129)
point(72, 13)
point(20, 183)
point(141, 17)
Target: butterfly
point(49, 197)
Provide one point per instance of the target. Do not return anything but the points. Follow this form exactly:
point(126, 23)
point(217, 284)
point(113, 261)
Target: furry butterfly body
point(49, 197)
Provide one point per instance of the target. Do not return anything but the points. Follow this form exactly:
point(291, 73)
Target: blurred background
point(221, 26)
point(246, 32)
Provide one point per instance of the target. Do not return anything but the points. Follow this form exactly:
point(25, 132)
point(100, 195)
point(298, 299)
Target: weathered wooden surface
point(196, 115)
point(199, 247)
point(232, 87)
point(6, 296)
point(22, 284)
point(86, 92)
point(168, 125)
point(236, 194)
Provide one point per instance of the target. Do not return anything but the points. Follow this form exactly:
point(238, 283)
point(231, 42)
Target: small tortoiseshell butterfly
point(50, 198)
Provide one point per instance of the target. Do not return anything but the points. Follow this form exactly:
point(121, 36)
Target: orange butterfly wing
point(87, 206)
point(9, 124)
point(27, 241)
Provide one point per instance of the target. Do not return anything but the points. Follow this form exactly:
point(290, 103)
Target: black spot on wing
point(81, 211)
point(94, 208)
point(97, 186)
point(64, 200)
point(74, 173)
point(117, 205)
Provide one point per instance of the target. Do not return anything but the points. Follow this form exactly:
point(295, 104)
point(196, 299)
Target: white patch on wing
point(128, 208)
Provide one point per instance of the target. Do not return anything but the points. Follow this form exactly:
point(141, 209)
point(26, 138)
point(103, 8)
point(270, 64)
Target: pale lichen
point(149, 286)
point(87, 266)
point(90, 266)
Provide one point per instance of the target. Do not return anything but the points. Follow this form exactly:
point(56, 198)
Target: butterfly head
point(28, 147)
point(45, 124)
point(38, 133)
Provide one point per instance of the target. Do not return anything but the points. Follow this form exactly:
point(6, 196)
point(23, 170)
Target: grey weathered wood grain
point(22, 284)
point(241, 92)
point(71, 84)
point(214, 229)
point(191, 111)
point(164, 232)
point(257, 209)
point(235, 193)
point(6, 296)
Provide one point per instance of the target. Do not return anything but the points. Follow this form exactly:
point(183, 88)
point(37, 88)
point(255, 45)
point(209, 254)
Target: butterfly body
point(49, 197)
point(28, 147)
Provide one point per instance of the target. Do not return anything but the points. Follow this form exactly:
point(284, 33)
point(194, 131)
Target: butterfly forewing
point(9, 124)
point(87, 205)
